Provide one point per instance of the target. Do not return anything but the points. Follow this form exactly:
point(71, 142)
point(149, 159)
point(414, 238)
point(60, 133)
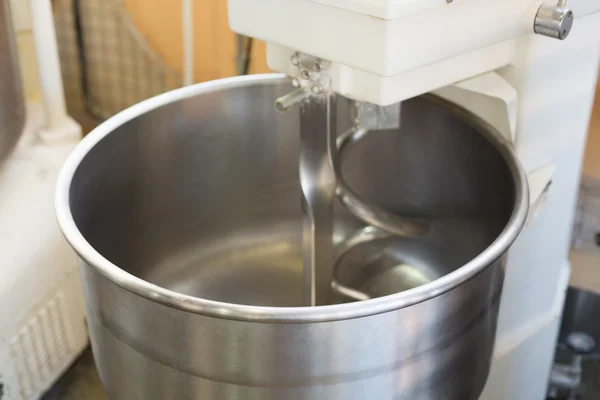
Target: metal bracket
point(310, 78)
point(371, 116)
point(312, 72)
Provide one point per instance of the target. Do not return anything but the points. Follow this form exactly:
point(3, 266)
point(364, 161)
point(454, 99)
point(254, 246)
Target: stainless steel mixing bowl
point(185, 210)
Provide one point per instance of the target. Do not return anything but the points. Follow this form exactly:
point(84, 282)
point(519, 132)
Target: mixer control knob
point(554, 21)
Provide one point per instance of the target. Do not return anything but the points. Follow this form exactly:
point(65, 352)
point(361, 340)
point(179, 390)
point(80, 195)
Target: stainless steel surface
point(579, 314)
point(364, 237)
point(186, 212)
point(554, 21)
point(566, 377)
point(318, 183)
point(310, 73)
point(580, 343)
point(372, 116)
point(286, 101)
point(241, 56)
point(565, 380)
point(12, 103)
point(295, 59)
point(368, 213)
point(321, 179)
point(576, 371)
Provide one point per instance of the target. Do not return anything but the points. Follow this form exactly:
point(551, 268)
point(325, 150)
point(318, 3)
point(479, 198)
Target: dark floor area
point(80, 382)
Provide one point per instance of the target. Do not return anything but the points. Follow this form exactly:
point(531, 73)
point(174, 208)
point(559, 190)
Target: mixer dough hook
point(321, 180)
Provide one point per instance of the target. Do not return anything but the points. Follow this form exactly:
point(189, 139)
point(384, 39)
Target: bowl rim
point(264, 314)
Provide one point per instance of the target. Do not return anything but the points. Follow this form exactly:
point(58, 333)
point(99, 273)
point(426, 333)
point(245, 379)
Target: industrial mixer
point(213, 269)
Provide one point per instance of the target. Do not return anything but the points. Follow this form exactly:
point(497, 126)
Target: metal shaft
point(283, 103)
point(318, 182)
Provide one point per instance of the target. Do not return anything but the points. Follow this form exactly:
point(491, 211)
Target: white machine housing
point(42, 318)
point(483, 55)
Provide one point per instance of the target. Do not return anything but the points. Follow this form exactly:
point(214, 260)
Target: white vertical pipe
point(187, 19)
point(48, 63)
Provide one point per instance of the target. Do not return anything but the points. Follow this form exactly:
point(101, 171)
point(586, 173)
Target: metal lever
point(283, 103)
point(554, 21)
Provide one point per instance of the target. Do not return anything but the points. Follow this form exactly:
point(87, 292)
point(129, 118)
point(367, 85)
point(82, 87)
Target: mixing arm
point(321, 155)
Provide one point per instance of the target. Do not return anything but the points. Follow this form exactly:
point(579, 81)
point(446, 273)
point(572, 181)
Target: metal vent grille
point(43, 345)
